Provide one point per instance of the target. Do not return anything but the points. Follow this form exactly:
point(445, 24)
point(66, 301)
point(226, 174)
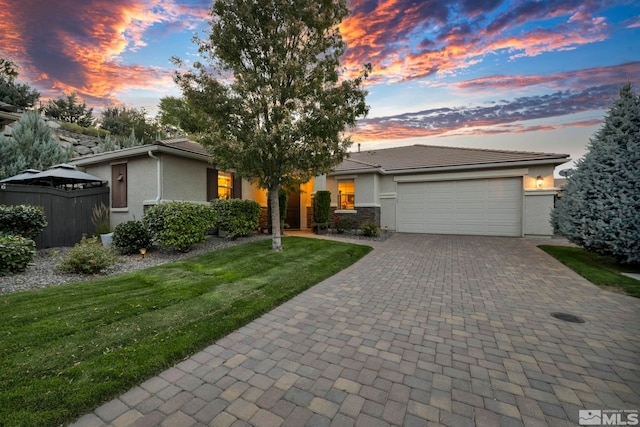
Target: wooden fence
point(68, 211)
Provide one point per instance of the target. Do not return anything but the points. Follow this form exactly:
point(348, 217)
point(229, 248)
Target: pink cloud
point(62, 47)
point(574, 80)
point(405, 41)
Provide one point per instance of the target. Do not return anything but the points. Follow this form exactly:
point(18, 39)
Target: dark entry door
point(293, 210)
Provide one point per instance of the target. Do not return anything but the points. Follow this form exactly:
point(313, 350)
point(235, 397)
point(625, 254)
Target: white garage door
point(486, 207)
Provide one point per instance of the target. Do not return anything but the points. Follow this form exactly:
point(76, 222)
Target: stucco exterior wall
point(141, 185)
point(537, 213)
point(184, 179)
point(375, 190)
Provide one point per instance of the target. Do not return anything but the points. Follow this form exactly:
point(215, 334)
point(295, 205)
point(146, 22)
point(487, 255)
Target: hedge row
point(179, 224)
point(182, 224)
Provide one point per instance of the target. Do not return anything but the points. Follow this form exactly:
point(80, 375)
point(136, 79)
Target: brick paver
point(425, 330)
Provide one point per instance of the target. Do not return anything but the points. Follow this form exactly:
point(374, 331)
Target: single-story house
point(175, 170)
point(447, 190)
point(412, 189)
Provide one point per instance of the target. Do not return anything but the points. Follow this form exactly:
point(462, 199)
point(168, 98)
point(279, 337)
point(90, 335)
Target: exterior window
point(119, 185)
point(225, 185)
point(346, 194)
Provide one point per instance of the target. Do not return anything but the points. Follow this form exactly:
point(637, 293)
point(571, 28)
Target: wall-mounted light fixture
point(539, 181)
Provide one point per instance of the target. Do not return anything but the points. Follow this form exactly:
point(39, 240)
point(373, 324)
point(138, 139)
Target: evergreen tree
point(20, 95)
point(68, 109)
point(31, 146)
point(600, 207)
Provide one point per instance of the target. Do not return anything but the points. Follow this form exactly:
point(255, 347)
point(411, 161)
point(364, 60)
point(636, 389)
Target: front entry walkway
point(425, 330)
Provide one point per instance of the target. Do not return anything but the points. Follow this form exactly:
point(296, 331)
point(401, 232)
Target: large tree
point(20, 95)
point(178, 113)
point(68, 108)
point(600, 207)
point(123, 122)
point(270, 85)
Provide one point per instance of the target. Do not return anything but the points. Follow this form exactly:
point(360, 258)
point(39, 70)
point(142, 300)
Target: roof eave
point(135, 151)
point(553, 161)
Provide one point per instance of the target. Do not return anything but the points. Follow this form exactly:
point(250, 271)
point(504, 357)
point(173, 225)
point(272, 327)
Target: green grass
point(65, 350)
point(600, 270)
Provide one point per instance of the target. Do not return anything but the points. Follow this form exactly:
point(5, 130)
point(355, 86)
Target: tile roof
point(184, 144)
point(431, 156)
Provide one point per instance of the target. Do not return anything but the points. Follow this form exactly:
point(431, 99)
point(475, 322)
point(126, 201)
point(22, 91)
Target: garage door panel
point(474, 207)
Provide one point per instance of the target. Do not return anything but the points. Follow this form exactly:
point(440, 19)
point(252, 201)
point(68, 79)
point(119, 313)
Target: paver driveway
point(425, 330)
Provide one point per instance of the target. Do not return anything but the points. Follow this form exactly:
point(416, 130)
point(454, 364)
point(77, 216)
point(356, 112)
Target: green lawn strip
point(599, 270)
point(65, 350)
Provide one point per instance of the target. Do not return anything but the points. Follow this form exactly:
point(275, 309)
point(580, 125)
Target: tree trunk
point(276, 234)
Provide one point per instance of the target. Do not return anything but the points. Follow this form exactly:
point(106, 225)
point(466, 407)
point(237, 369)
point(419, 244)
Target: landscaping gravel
point(42, 272)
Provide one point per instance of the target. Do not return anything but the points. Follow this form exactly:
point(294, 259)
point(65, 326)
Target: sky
point(496, 74)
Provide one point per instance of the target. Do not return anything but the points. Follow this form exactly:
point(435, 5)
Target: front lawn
point(65, 350)
point(599, 270)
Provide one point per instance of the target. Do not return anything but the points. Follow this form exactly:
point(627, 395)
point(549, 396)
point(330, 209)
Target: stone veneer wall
point(362, 215)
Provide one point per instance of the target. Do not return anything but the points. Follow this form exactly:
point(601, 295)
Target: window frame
point(350, 198)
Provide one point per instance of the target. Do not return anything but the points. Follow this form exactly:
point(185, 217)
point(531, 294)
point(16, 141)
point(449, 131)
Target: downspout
point(159, 175)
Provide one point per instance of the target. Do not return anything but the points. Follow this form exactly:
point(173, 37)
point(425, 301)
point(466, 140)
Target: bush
point(343, 223)
point(91, 131)
point(23, 220)
point(87, 257)
point(16, 252)
point(370, 229)
point(236, 217)
point(179, 224)
point(322, 208)
point(131, 236)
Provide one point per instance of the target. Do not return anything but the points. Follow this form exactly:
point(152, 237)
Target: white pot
point(106, 240)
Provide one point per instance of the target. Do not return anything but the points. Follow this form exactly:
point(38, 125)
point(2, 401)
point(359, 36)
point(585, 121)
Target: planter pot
point(106, 240)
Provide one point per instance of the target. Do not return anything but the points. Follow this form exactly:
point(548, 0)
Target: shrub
point(87, 257)
point(90, 130)
point(343, 223)
point(16, 252)
point(370, 229)
point(322, 208)
point(236, 217)
point(24, 220)
point(179, 224)
point(131, 236)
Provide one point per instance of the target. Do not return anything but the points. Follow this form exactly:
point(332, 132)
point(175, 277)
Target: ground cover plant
point(65, 350)
point(600, 270)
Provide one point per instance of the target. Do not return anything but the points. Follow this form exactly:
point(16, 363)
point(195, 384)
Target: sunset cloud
point(573, 80)
point(497, 117)
point(62, 47)
point(430, 37)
